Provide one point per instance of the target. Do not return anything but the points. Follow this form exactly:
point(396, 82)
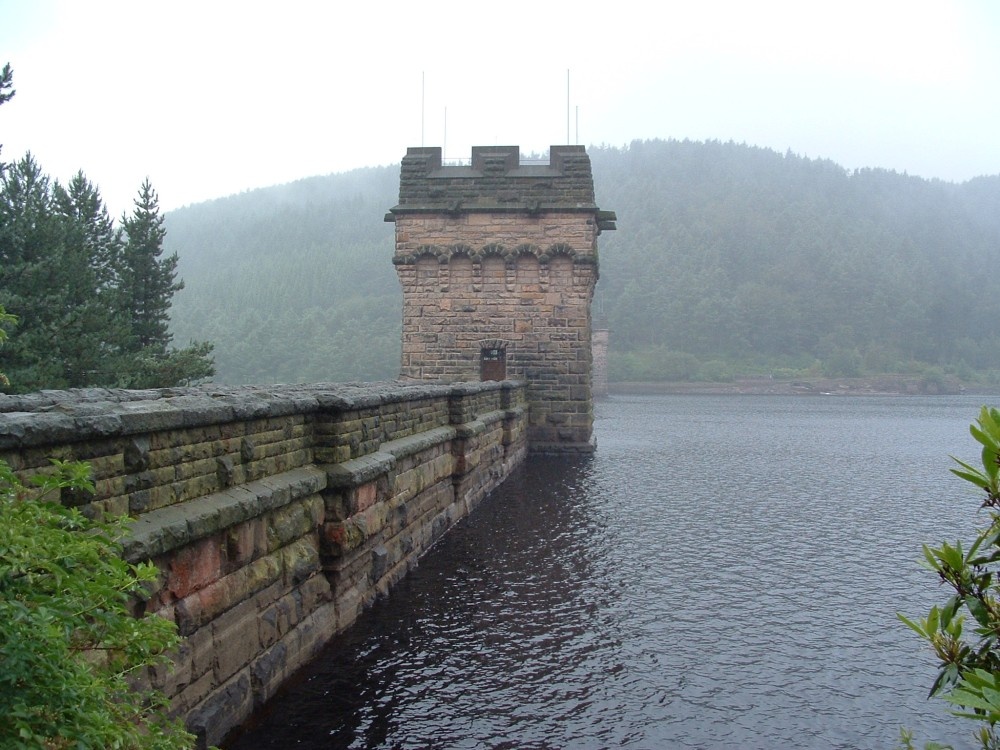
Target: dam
point(277, 514)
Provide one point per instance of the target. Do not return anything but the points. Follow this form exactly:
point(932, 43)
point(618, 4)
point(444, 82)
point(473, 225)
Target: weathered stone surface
point(224, 708)
point(299, 561)
point(290, 523)
point(184, 702)
point(172, 527)
point(268, 672)
point(245, 542)
point(194, 567)
point(232, 648)
point(360, 470)
point(259, 575)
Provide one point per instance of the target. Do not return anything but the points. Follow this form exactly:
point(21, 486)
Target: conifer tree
point(32, 278)
point(147, 282)
point(6, 84)
point(145, 287)
point(93, 334)
point(80, 203)
point(90, 303)
point(6, 93)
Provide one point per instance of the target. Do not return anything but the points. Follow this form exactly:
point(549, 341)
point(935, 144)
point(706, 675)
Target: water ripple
point(723, 573)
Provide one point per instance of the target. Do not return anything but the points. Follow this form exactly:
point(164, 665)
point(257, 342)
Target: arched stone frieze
point(433, 251)
point(561, 249)
point(515, 257)
point(493, 250)
point(424, 251)
point(527, 249)
point(463, 251)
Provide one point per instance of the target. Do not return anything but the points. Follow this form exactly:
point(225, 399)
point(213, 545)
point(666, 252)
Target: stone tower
point(498, 262)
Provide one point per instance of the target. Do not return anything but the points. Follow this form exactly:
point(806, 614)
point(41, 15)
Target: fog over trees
point(295, 282)
point(728, 260)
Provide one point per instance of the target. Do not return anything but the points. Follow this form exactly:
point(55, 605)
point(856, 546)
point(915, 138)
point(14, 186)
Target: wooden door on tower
point(493, 364)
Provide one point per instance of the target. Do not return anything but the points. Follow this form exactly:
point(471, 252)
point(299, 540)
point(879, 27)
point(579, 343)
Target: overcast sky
point(209, 98)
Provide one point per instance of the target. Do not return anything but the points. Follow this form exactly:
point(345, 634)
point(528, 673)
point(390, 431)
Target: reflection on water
point(723, 573)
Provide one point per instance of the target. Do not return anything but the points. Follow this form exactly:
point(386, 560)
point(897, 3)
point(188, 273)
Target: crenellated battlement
point(498, 181)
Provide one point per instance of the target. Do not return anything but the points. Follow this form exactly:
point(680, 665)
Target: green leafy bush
point(72, 656)
point(964, 631)
point(6, 320)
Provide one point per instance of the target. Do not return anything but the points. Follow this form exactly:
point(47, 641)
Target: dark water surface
point(723, 573)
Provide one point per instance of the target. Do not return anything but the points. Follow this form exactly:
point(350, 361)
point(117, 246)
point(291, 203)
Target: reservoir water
point(724, 572)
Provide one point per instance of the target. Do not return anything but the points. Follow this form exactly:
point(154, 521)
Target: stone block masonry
point(274, 514)
point(498, 262)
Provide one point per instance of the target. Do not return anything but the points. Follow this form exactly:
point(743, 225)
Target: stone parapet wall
point(274, 514)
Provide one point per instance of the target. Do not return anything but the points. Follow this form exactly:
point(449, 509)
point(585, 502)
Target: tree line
point(731, 259)
point(87, 303)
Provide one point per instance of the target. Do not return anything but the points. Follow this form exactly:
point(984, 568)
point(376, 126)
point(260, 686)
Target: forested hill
point(293, 283)
point(727, 260)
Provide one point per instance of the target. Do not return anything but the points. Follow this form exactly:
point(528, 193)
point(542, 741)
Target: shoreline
point(880, 385)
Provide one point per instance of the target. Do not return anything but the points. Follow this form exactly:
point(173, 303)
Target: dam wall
point(274, 514)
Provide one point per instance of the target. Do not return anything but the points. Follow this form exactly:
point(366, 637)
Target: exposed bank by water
point(884, 385)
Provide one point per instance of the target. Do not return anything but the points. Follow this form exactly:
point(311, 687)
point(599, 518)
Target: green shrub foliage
point(963, 631)
point(6, 321)
point(73, 659)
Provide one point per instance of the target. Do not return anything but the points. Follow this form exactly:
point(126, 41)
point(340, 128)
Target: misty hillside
point(293, 283)
point(727, 260)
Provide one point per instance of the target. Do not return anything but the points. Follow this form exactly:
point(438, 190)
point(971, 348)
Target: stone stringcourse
point(274, 513)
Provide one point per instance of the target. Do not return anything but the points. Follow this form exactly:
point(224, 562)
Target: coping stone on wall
point(162, 530)
point(77, 415)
